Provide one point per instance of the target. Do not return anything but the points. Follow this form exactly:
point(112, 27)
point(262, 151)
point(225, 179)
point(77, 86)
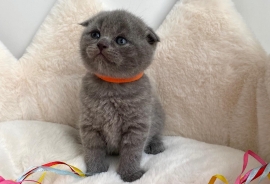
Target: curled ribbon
point(75, 172)
point(220, 177)
point(251, 175)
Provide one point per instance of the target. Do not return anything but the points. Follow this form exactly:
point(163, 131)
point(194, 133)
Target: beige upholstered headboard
point(19, 20)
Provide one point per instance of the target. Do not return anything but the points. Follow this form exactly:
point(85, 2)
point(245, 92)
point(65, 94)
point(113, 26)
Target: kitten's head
point(117, 44)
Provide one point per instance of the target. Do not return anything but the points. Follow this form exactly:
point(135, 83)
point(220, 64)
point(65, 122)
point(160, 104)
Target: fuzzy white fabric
point(209, 71)
point(184, 161)
point(44, 83)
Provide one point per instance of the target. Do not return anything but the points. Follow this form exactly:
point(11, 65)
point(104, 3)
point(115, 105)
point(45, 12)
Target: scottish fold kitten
point(120, 113)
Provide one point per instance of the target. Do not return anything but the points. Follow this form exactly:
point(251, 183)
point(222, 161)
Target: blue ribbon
point(50, 169)
point(255, 171)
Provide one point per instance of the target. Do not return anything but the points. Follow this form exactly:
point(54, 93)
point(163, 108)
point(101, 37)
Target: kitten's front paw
point(130, 177)
point(98, 167)
point(154, 147)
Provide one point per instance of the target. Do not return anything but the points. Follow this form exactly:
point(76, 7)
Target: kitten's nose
point(103, 44)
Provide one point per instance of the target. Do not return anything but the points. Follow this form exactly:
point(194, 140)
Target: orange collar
point(120, 80)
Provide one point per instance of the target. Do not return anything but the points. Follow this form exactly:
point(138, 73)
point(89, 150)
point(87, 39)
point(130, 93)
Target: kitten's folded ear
point(151, 36)
point(89, 21)
point(85, 23)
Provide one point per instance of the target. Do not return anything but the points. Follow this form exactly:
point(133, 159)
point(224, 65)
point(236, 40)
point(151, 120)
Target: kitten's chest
point(113, 108)
point(115, 112)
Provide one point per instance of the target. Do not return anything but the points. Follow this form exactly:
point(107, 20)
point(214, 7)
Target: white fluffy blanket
point(24, 144)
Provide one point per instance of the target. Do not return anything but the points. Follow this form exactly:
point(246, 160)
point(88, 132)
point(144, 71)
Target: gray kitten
point(118, 118)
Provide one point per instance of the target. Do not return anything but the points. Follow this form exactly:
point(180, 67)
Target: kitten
point(118, 117)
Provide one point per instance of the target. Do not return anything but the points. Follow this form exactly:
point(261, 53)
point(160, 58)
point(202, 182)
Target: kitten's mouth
point(100, 54)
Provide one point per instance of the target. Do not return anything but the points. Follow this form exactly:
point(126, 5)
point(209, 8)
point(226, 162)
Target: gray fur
point(123, 118)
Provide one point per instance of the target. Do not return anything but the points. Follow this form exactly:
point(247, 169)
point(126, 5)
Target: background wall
point(19, 20)
point(256, 13)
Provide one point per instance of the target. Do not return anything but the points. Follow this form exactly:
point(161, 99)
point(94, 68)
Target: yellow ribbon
point(220, 177)
point(78, 171)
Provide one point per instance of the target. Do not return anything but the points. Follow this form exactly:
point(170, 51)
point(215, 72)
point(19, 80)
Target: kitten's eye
point(121, 41)
point(95, 34)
